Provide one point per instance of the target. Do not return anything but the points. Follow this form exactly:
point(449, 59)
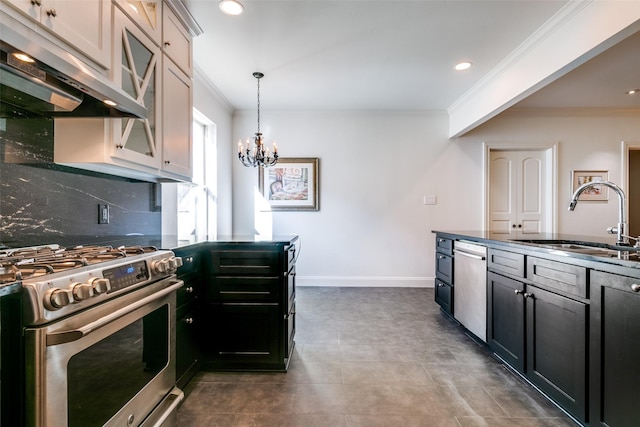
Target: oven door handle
point(63, 337)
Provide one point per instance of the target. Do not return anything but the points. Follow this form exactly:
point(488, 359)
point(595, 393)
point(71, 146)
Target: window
point(197, 201)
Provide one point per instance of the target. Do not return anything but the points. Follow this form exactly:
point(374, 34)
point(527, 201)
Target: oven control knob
point(100, 286)
point(82, 291)
point(55, 299)
point(159, 267)
point(174, 263)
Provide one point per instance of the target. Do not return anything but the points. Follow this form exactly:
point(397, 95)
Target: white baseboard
point(365, 282)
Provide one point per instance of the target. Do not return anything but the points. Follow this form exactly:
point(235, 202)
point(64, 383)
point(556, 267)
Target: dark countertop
point(159, 241)
point(624, 260)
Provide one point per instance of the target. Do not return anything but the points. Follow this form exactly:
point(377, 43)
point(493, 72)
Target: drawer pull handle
point(36, 2)
point(518, 292)
point(189, 289)
point(528, 295)
point(188, 320)
point(52, 13)
point(635, 287)
point(440, 285)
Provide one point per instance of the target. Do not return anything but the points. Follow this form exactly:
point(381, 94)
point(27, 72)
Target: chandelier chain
point(258, 105)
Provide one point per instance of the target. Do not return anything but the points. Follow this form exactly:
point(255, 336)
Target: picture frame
point(291, 184)
point(595, 193)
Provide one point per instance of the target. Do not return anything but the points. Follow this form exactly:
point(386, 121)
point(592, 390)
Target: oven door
point(109, 365)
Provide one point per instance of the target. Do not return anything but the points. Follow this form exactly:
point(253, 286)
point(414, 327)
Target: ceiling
point(384, 55)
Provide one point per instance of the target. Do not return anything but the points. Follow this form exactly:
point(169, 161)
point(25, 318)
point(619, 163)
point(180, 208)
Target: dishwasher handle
point(469, 254)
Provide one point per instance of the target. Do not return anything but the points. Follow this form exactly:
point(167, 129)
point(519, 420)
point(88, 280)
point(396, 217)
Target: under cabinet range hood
point(36, 80)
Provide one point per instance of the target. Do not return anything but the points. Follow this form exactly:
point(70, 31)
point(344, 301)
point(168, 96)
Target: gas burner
point(9, 273)
point(36, 261)
point(136, 250)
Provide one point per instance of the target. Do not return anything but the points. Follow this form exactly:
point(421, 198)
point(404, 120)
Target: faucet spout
point(621, 230)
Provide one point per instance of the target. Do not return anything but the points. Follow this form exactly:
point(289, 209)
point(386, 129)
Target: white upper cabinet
point(176, 41)
point(84, 25)
point(177, 121)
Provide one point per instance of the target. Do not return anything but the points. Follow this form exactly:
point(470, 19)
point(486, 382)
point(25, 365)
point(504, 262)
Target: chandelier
point(257, 154)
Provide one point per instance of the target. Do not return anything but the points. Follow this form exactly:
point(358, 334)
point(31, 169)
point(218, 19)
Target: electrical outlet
point(103, 214)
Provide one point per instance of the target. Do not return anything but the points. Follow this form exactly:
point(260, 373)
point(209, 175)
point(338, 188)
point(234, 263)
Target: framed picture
point(291, 185)
point(596, 192)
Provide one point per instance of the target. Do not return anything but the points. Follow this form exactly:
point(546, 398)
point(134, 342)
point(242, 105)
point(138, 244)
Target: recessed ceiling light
point(633, 91)
point(463, 66)
point(109, 103)
point(231, 7)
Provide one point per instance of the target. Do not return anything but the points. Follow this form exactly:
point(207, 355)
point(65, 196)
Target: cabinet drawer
point(245, 263)
point(571, 279)
point(444, 267)
point(444, 245)
point(506, 262)
point(189, 291)
point(245, 289)
point(444, 296)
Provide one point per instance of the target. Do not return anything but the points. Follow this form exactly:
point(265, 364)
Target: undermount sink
point(587, 248)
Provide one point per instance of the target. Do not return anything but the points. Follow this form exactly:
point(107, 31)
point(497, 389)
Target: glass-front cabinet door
point(138, 73)
point(147, 14)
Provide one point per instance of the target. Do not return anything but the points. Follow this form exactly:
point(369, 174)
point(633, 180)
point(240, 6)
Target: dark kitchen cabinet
point(188, 351)
point(506, 319)
point(444, 289)
point(249, 310)
point(614, 350)
point(540, 332)
point(12, 369)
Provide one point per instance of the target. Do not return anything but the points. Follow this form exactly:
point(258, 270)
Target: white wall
point(375, 167)
point(372, 228)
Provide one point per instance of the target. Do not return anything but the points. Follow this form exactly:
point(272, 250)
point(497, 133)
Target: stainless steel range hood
point(53, 86)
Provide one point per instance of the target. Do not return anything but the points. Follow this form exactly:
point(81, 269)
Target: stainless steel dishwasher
point(470, 287)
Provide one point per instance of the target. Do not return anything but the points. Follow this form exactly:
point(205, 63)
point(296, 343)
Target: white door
point(517, 192)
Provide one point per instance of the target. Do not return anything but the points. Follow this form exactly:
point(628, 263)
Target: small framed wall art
point(596, 192)
point(291, 185)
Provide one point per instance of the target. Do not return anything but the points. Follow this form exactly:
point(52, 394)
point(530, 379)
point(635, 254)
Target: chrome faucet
point(621, 229)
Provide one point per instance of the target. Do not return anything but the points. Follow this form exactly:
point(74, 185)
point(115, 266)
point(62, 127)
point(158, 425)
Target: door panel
point(517, 191)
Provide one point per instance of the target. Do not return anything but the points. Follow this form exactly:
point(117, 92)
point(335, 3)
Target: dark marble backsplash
point(39, 197)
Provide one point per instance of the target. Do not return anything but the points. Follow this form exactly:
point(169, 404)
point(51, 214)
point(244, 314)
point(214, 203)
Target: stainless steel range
point(99, 334)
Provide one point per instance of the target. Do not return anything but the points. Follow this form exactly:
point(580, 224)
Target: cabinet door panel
point(137, 71)
point(505, 326)
point(557, 348)
point(615, 346)
point(244, 335)
point(187, 347)
point(176, 121)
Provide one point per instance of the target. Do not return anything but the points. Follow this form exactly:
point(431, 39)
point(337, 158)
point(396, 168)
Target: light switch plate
point(430, 200)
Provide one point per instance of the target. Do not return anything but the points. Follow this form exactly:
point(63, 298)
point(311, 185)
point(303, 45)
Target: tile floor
point(372, 357)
